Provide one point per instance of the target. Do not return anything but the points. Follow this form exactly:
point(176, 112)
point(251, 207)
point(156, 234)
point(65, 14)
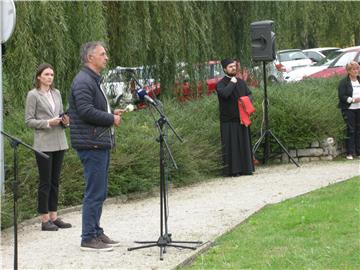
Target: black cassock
point(235, 137)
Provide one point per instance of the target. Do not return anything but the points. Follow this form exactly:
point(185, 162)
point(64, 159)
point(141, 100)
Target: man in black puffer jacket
point(91, 132)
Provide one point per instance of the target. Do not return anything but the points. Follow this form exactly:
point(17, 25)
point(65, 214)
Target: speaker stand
point(268, 133)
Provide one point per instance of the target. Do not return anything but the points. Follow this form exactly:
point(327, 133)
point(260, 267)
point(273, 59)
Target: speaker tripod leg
point(284, 149)
point(257, 144)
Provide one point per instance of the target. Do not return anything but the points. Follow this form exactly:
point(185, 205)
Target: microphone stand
point(14, 142)
point(164, 240)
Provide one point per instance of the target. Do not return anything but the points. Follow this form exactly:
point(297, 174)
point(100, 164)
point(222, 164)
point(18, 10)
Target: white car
point(286, 61)
point(298, 74)
point(119, 84)
point(317, 54)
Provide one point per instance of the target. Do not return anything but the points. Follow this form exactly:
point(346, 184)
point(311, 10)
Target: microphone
point(143, 95)
point(129, 108)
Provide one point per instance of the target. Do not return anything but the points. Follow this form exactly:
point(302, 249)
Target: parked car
point(211, 72)
point(298, 74)
point(337, 67)
point(317, 54)
point(119, 84)
point(286, 61)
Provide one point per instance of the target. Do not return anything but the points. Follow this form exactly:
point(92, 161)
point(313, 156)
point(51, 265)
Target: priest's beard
point(231, 74)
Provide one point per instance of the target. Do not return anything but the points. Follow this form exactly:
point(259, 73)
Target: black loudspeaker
point(262, 41)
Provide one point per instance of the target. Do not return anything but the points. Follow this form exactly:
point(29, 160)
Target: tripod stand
point(267, 133)
point(164, 240)
point(14, 142)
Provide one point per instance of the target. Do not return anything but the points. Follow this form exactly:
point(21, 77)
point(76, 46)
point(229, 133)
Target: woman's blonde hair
point(351, 65)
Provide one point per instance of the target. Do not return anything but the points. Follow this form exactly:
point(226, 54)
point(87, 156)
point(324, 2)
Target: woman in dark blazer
point(44, 114)
point(349, 103)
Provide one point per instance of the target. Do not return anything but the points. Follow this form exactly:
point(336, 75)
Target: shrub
point(302, 112)
point(299, 114)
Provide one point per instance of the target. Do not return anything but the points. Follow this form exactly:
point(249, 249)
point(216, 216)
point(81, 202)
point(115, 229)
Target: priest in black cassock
point(235, 137)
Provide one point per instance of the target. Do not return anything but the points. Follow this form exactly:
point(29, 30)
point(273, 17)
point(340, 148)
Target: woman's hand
point(65, 120)
point(54, 121)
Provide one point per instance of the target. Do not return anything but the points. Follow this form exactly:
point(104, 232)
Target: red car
point(120, 87)
point(213, 73)
point(337, 67)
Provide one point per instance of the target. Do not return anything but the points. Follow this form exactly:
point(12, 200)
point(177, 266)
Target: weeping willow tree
point(85, 21)
point(160, 34)
point(19, 60)
point(307, 24)
point(49, 32)
point(163, 34)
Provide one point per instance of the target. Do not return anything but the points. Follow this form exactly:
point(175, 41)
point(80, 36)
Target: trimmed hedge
point(303, 112)
point(299, 114)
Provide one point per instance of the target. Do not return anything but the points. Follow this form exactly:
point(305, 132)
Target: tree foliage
point(162, 34)
point(50, 32)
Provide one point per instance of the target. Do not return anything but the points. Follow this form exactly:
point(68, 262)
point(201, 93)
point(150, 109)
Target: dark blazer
point(345, 91)
point(228, 94)
point(90, 121)
point(37, 111)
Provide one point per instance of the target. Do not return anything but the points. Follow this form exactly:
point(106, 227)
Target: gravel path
point(200, 212)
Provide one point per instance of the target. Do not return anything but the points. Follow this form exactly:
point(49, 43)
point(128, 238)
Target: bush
point(302, 112)
point(299, 114)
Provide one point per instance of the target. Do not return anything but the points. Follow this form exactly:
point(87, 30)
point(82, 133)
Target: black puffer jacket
point(90, 121)
point(345, 91)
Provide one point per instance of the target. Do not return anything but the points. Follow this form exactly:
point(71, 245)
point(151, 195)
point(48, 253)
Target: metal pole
point(2, 176)
point(15, 190)
point(266, 116)
point(7, 24)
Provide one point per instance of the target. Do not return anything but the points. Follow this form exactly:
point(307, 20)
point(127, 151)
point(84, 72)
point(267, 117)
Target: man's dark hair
point(226, 62)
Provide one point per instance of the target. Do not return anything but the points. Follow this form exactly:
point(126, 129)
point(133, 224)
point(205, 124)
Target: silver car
point(317, 54)
point(300, 73)
point(286, 61)
point(119, 84)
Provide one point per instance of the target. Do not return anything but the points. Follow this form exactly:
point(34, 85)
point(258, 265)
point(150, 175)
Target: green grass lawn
point(319, 230)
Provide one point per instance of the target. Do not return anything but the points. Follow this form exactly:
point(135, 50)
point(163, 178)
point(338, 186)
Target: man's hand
point(357, 100)
point(117, 120)
point(119, 111)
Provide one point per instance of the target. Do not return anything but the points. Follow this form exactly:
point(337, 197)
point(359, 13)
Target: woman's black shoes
point(48, 226)
point(61, 224)
point(54, 225)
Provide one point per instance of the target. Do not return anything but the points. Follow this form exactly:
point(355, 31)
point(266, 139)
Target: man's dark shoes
point(61, 224)
point(48, 226)
point(95, 244)
point(106, 240)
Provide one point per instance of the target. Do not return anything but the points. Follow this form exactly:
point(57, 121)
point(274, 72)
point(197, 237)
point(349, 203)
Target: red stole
point(245, 110)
